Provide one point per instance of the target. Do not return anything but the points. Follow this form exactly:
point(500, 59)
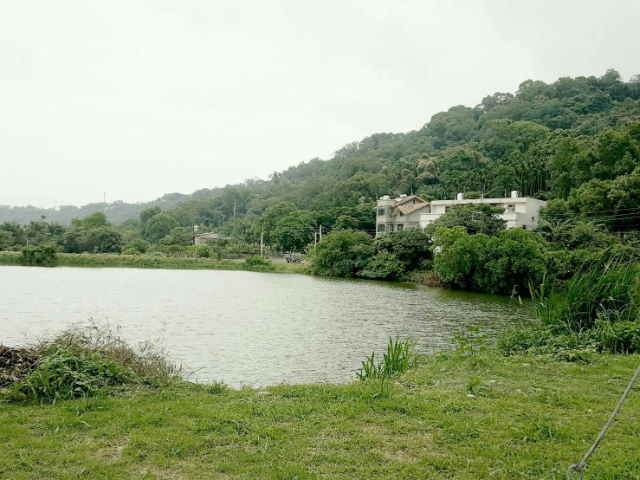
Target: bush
point(83, 361)
point(506, 263)
point(342, 253)
point(139, 244)
point(258, 263)
point(130, 251)
point(607, 291)
point(203, 251)
point(65, 374)
point(597, 310)
point(383, 266)
point(540, 340)
point(410, 247)
point(44, 255)
point(428, 278)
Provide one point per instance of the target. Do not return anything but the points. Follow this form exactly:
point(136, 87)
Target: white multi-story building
point(393, 214)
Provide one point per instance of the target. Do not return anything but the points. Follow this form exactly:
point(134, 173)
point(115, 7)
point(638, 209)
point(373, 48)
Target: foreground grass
point(454, 417)
point(144, 261)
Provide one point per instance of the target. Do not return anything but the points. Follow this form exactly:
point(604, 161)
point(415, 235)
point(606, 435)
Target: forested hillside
point(575, 141)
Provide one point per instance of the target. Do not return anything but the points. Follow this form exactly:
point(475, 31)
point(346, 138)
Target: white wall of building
point(519, 212)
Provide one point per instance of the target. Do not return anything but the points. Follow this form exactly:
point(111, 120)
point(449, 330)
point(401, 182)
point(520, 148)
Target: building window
point(447, 209)
point(381, 212)
point(381, 228)
point(399, 227)
point(390, 227)
point(390, 210)
point(511, 208)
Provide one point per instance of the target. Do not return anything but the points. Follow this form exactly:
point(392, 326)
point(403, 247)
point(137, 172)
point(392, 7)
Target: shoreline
point(153, 262)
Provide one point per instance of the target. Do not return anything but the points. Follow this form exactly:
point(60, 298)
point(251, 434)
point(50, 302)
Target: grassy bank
point(463, 417)
point(148, 261)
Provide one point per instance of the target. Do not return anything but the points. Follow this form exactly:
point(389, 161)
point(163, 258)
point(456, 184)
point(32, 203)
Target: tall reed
point(607, 291)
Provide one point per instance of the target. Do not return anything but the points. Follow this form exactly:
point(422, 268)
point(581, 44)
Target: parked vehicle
point(293, 257)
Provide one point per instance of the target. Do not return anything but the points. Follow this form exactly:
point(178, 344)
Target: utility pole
point(315, 240)
point(262, 242)
point(104, 197)
point(234, 208)
point(320, 232)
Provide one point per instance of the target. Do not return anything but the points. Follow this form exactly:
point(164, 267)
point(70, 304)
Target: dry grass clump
point(149, 359)
point(82, 361)
point(16, 364)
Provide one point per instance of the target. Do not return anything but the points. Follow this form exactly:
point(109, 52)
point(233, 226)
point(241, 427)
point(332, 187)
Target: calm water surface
point(245, 327)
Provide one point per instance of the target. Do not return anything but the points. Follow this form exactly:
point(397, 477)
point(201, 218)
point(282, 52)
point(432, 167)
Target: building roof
point(407, 209)
point(211, 235)
point(410, 197)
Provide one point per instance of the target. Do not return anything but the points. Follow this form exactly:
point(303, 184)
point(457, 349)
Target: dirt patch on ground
point(16, 364)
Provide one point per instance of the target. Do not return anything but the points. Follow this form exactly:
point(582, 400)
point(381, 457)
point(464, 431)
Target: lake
point(245, 327)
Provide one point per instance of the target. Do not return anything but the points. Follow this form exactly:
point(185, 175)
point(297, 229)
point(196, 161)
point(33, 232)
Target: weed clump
point(399, 358)
point(258, 263)
point(597, 310)
point(82, 361)
point(66, 374)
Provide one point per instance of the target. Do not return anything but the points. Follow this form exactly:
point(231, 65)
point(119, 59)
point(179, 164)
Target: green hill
point(550, 141)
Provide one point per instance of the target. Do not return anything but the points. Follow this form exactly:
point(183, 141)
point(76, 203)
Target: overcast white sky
point(146, 97)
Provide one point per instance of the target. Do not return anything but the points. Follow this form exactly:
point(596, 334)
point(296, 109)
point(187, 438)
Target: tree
point(410, 247)
point(294, 231)
point(475, 218)
point(43, 255)
point(149, 213)
point(178, 236)
point(158, 226)
point(346, 222)
point(95, 220)
point(342, 253)
point(6, 240)
point(509, 262)
point(139, 245)
point(383, 266)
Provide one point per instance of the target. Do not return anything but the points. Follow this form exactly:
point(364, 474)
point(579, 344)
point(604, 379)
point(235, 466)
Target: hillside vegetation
point(575, 143)
point(572, 140)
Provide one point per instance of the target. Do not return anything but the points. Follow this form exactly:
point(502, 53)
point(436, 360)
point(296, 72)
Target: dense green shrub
point(65, 374)
point(46, 255)
point(6, 240)
point(383, 266)
point(410, 247)
point(513, 261)
point(506, 263)
point(598, 309)
point(139, 244)
point(608, 291)
point(258, 263)
point(82, 361)
point(341, 254)
point(203, 251)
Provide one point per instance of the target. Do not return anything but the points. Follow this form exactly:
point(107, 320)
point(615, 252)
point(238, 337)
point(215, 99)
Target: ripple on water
point(246, 327)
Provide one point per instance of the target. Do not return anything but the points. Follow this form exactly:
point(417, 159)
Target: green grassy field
point(455, 417)
point(148, 261)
